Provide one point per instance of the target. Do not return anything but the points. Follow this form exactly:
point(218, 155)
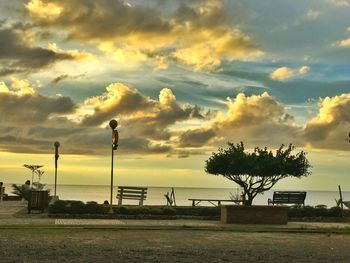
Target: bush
point(317, 211)
point(335, 212)
point(76, 207)
point(145, 210)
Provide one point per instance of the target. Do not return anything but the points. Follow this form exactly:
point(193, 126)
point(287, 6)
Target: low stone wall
point(235, 214)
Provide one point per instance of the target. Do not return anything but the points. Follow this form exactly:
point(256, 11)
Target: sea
point(155, 195)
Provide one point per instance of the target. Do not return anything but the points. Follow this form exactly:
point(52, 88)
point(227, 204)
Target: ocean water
point(155, 195)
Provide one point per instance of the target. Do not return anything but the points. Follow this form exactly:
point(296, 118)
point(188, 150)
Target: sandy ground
point(111, 245)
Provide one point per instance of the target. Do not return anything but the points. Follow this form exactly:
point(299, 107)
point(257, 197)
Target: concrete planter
point(235, 214)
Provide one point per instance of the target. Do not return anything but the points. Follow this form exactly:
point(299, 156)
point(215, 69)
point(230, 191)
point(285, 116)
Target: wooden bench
point(215, 202)
point(133, 193)
point(288, 197)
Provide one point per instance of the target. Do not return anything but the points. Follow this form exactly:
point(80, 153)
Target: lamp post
point(56, 144)
point(113, 124)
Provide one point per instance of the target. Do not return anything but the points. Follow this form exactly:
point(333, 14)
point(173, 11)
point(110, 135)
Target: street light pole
point(56, 144)
point(113, 124)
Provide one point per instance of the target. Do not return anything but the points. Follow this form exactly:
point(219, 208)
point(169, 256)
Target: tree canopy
point(259, 170)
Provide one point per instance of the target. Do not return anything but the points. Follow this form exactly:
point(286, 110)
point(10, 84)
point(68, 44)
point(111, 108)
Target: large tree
point(259, 170)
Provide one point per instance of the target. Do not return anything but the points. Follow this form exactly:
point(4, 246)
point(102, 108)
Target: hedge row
point(78, 207)
point(317, 211)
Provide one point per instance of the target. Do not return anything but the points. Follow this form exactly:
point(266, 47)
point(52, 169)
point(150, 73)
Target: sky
point(182, 78)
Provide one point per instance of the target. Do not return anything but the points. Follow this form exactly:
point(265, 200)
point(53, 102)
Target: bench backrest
point(288, 197)
point(133, 193)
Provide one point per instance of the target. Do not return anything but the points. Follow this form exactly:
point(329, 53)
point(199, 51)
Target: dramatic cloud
point(282, 74)
point(97, 20)
point(200, 35)
point(18, 53)
point(39, 120)
point(142, 116)
point(21, 105)
point(332, 124)
point(30, 122)
point(257, 119)
point(117, 100)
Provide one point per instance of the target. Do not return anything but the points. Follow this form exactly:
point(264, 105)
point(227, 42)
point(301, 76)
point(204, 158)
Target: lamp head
point(57, 144)
point(113, 124)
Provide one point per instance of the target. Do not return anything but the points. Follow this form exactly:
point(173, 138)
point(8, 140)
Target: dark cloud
point(211, 15)
point(32, 108)
point(66, 76)
point(103, 19)
point(17, 54)
point(196, 137)
point(142, 145)
point(10, 71)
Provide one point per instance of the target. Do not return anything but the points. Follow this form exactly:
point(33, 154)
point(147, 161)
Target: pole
point(55, 178)
point(341, 198)
point(113, 124)
point(56, 144)
point(31, 184)
point(111, 194)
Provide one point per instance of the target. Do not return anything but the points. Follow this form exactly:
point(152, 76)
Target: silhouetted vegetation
point(258, 171)
point(93, 208)
point(317, 211)
point(78, 207)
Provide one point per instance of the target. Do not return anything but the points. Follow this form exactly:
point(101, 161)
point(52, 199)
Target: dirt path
point(79, 245)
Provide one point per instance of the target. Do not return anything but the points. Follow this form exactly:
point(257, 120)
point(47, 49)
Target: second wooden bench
point(133, 193)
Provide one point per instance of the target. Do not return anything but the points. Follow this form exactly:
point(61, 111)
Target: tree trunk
point(247, 198)
point(248, 201)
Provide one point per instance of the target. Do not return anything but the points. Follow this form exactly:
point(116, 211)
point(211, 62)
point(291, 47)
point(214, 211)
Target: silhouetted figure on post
point(25, 190)
point(2, 191)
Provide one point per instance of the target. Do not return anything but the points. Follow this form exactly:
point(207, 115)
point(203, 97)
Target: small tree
point(258, 171)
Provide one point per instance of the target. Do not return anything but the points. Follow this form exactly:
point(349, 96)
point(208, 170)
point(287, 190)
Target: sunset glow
point(182, 78)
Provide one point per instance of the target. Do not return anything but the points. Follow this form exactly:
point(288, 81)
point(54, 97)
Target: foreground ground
point(181, 245)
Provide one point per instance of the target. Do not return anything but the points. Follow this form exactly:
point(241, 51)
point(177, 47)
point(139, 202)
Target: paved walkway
point(9, 208)
point(13, 213)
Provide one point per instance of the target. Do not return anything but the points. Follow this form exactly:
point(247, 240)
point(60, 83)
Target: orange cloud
point(282, 74)
point(200, 36)
point(329, 129)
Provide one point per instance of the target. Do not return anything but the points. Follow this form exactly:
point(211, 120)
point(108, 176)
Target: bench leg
point(120, 200)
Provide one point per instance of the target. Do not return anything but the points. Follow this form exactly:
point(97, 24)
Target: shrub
point(317, 211)
point(335, 212)
point(75, 207)
point(169, 211)
point(94, 208)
